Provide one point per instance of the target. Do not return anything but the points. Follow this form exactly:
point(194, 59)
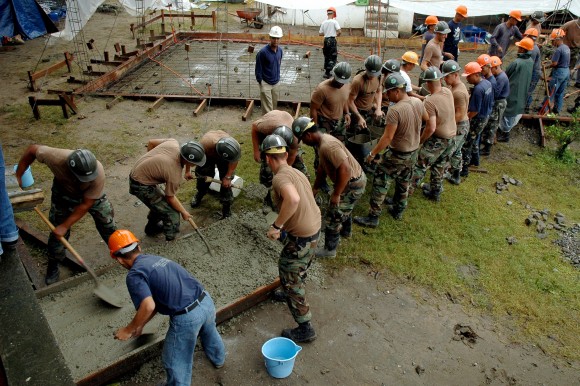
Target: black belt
point(401, 152)
point(308, 239)
point(192, 306)
point(135, 182)
point(500, 99)
point(330, 37)
point(355, 179)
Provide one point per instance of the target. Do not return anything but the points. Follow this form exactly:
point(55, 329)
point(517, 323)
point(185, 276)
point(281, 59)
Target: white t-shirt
point(329, 28)
point(409, 86)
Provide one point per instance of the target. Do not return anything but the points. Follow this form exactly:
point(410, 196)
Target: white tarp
point(446, 8)
point(307, 4)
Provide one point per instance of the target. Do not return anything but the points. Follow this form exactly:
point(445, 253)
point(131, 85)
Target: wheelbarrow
point(251, 17)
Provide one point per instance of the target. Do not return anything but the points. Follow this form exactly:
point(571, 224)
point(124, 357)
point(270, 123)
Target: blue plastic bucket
point(27, 179)
point(279, 355)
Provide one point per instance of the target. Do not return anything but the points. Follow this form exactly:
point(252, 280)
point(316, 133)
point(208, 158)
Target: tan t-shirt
point(441, 106)
point(572, 37)
point(56, 160)
point(407, 116)
point(461, 99)
point(271, 121)
point(209, 140)
point(433, 53)
point(330, 99)
point(363, 90)
point(160, 165)
point(332, 154)
point(306, 221)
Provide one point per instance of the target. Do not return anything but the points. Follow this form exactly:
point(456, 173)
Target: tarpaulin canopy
point(307, 4)
point(24, 17)
point(446, 8)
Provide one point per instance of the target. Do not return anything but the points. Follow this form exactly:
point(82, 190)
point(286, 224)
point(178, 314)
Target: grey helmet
point(83, 164)
point(449, 67)
point(341, 72)
point(273, 144)
point(394, 80)
point(286, 133)
point(442, 27)
point(300, 125)
point(391, 66)
point(432, 74)
point(228, 149)
point(193, 153)
point(538, 16)
point(373, 65)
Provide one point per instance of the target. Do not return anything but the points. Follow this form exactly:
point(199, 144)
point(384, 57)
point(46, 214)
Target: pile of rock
point(541, 221)
point(505, 182)
point(569, 242)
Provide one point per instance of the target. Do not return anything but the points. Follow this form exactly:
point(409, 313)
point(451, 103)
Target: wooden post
point(35, 111)
point(106, 54)
point(68, 58)
point(63, 106)
point(297, 111)
point(249, 109)
point(214, 19)
point(114, 102)
point(199, 108)
point(156, 104)
point(192, 18)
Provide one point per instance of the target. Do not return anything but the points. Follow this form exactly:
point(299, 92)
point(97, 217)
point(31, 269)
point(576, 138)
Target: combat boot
point(153, 228)
point(52, 272)
point(346, 230)
point(196, 200)
point(397, 214)
point(302, 334)
point(368, 221)
point(464, 171)
point(331, 240)
point(279, 296)
point(430, 194)
point(486, 150)
point(455, 178)
point(503, 136)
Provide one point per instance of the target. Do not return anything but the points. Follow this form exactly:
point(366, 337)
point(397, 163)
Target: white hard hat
point(276, 32)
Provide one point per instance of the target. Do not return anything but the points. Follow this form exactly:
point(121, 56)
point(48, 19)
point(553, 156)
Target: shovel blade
point(107, 295)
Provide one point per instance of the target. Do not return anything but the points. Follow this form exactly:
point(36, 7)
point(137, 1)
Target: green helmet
point(391, 66)
point(373, 65)
point(394, 80)
point(273, 144)
point(432, 74)
point(449, 67)
point(341, 72)
point(442, 27)
point(229, 149)
point(286, 133)
point(83, 164)
point(301, 124)
point(193, 153)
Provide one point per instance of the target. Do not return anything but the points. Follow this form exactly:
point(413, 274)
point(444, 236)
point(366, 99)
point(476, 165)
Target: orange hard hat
point(516, 14)
point(531, 32)
point(430, 20)
point(331, 9)
point(462, 10)
point(471, 68)
point(484, 60)
point(410, 57)
point(557, 33)
point(526, 44)
point(122, 241)
point(495, 61)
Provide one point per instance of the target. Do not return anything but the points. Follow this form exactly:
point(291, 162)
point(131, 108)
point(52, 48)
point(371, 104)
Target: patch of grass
point(528, 282)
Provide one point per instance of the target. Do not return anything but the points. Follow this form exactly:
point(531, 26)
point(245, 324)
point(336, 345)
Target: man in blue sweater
point(268, 62)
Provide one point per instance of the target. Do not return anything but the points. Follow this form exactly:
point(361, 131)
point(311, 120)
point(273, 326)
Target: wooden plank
point(69, 102)
point(114, 102)
point(249, 109)
point(197, 111)
point(297, 109)
point(134, 360)
point(558, 118)
point(542, 133)
point(156, 104)
point(63, 106)
point(27, 201)
point(107, 62)
point(32, 101)
point(31, 266)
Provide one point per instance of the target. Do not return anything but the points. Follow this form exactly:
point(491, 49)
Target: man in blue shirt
point(478, 111)
point(268, 62)
point(532, 33)
point(157, 284)
point(451, 45)
point(501, 92)
point(560, 70)
point(503, 33)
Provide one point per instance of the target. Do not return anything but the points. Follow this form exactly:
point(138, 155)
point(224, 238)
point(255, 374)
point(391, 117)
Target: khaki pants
point(269, 96)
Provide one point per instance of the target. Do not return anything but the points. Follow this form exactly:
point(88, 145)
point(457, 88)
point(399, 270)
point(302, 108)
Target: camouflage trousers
point(294, 261)
point(456, 159)
point(337, 215)
point(433, 155)
point(61, 207)
point(393, 166)
point(208, 170)
point(159, 209)
point(488, 134)
point(266, 174)
point(330, 52)
point(355, 127)
point(470, 147)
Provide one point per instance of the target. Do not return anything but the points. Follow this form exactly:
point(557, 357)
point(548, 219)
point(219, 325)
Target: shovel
point(103, 292)
point(194, 225)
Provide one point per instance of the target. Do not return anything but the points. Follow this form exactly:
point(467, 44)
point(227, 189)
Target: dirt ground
point(372, 329)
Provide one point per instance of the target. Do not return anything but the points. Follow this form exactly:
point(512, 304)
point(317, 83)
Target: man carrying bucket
point(298, 227)
point(157, 284)
point(77, 188)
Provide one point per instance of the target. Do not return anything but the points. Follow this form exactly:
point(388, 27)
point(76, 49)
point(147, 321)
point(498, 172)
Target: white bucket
point(237, 184)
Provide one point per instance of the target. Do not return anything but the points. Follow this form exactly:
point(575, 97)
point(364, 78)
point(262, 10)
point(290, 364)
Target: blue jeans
point(8, 229)
point(557, 86)
point(181, 338)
